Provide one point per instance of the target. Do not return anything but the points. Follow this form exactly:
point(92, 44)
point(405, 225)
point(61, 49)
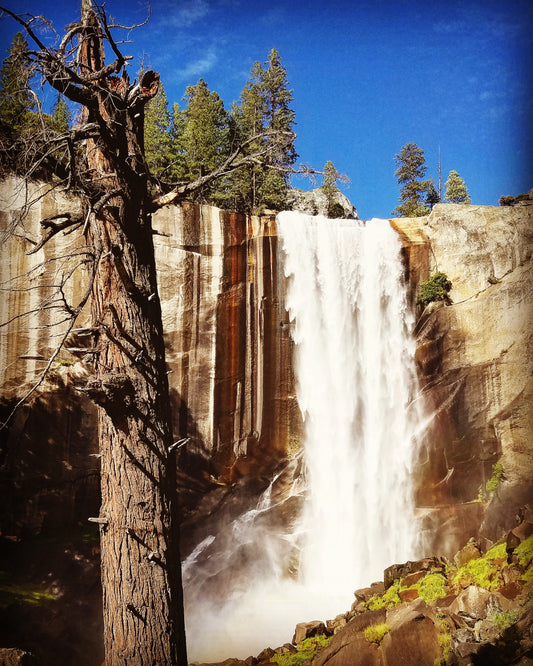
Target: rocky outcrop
point(475, 365)
point(315, 202)
point(427, 612)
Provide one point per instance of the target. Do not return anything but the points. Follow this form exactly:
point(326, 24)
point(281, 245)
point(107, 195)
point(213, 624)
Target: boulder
point(265, 654)
point(408, 595)
point(466, 554)
point(413, 643)
point(315, 202)
point(305, 630)
point(349, 646)
point(486, 630)
point(433, 564)
point(477, 603)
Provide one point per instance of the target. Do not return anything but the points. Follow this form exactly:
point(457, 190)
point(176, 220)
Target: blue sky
point(367, 78)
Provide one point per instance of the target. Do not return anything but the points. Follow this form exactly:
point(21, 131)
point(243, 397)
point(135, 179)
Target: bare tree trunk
point(141, 580)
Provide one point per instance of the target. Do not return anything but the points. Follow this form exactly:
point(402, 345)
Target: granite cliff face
point(229, 358)
point(475, 366)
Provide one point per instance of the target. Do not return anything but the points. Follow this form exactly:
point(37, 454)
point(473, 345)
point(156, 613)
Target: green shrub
point(504, 619)
point(376, 632)
point(481, 572)
point(335, 210)
point(524, 551)
point(445, 642)
point(431, 587)
point(307, 651)
point(434, 289)
point(388, 599)
point(497, 552)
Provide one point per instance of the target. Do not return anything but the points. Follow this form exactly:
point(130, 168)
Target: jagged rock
point(396, 571)
point(465, 635)
point(15, 657)
point(314, 202)
point(365, 593)
point(476, 602)
point(413, 635)
point(486, 630)
point(336, 624)
point(349, 646)
point(467, 553)
point(265, 654)
point(467, 649)
point(305, 630)
point(408, 595)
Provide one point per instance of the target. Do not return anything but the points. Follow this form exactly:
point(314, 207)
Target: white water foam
point(354, 364)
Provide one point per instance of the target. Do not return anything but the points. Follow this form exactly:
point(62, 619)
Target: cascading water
point(354, 364)
point(354, 367)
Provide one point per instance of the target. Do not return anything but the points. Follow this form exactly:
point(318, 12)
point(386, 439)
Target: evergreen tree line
point(418, 196)
point(181, 144)
point(26, 134)
point(184, 144)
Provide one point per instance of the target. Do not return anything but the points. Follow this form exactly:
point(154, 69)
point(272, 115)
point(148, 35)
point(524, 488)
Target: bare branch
point(54, 228)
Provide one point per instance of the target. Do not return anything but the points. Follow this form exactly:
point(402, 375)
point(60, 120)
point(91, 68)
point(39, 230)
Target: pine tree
point(432, 196)
point(456, 191)
point(330, 189)
point(265, 107)
point(410, 172)
point(16, 99)
point(279, 115)
point(61, 116)
point(205, 132)
point(157, 122)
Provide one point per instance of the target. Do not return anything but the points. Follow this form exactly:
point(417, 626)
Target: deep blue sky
point(367, 78)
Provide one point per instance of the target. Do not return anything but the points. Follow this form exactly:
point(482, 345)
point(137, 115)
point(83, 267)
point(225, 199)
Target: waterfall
point(354, 364)
point(354, 368)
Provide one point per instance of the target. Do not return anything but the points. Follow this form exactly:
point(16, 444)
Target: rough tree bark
point(142, 599)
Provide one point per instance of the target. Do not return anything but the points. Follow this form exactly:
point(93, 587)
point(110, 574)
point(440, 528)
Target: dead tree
point(140, 568)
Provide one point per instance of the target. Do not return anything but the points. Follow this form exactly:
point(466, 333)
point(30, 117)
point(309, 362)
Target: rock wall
point(228, 344)
point(229, 358)
point(475, 365)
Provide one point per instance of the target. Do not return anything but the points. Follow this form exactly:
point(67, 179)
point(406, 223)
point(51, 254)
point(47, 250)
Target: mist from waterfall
point(354, 367)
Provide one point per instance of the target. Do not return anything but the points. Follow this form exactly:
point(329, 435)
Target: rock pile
point(477, 609)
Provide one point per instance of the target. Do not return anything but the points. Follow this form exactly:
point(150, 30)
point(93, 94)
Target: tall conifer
point(16, 99)
point(410, 172)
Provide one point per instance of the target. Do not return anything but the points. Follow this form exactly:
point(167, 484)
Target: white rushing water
point(355, 381)
point(354, 367)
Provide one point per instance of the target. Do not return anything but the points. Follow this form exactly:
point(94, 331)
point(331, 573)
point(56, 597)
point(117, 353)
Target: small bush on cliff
point(376, 632)
point(434, 289)
point(307, 651)
point(494, 481)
